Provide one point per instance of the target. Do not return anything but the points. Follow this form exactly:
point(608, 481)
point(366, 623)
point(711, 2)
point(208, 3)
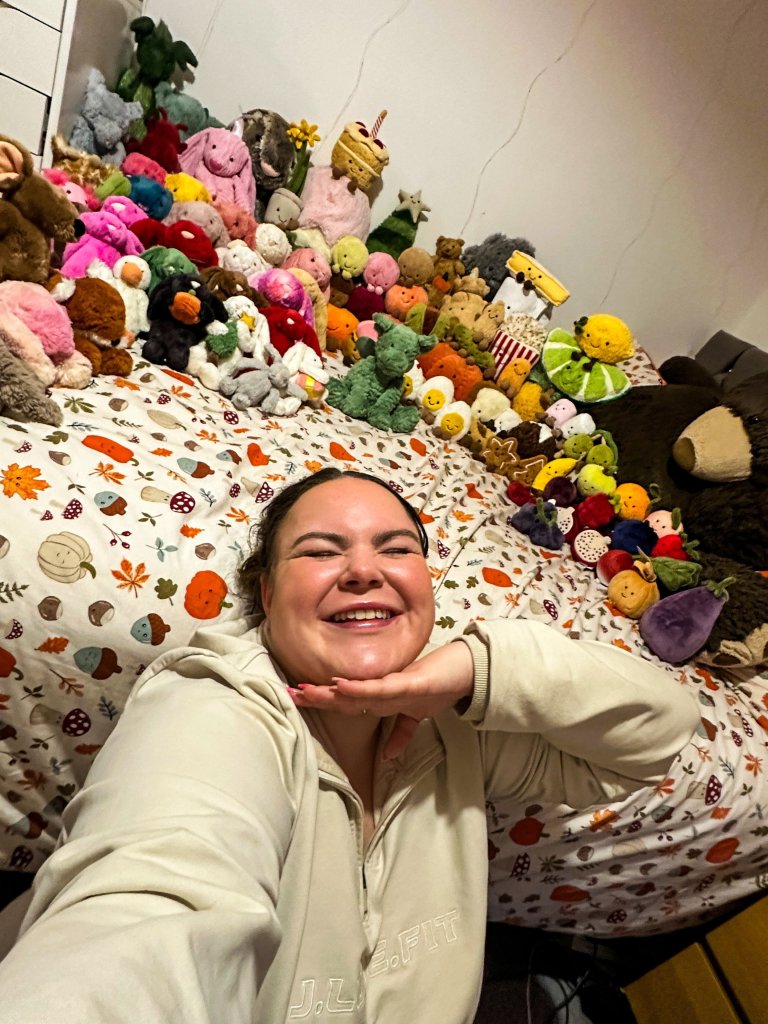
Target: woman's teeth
point(362, 613)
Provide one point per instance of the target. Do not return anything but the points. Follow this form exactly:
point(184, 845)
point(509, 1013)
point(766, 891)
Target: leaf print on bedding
point(129, 578)
point(22, 481)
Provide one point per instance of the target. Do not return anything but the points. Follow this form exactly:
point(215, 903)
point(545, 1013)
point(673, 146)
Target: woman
point(288, 821)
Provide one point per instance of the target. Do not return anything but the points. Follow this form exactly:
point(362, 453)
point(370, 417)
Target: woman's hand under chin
point(425, 688)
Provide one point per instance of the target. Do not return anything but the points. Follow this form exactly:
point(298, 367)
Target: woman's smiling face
point(349, 594)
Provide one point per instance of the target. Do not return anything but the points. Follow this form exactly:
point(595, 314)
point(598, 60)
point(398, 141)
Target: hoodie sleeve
point(574, 722)
point(160, 905)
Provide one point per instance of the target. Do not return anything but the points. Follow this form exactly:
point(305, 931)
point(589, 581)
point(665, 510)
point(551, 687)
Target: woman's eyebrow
point(333, 538)
point(388, 535)
point(344, 542)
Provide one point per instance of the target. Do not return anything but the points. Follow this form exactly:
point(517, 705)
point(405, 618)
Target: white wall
point(625, 138)
point(101, 38)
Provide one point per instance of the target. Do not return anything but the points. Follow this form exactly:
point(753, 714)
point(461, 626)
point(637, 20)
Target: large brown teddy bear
point(32, 213)
point(97, 312)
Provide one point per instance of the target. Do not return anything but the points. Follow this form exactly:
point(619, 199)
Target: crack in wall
point(725, 275)
point(331, 133)
point(523, 110)
point(717, 79)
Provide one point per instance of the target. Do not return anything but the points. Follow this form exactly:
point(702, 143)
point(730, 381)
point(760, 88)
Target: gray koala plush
point(103, 120)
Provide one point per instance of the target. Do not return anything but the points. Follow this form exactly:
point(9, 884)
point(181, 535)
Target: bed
point(122, 530)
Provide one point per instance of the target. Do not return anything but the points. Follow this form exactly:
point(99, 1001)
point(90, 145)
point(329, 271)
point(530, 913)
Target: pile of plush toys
point(222, 252)
point(662, 492)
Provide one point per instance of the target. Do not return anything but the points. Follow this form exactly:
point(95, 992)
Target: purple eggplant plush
point(678, 626)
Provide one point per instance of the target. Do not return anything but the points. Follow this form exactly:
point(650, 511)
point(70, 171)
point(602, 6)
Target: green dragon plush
point(372, 389)
point(157, 58)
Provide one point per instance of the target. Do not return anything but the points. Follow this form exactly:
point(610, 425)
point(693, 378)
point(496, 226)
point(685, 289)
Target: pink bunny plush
point(106, 238)
point(315, 264)
point(220, 160)
point(124, 209)
point(381, 272)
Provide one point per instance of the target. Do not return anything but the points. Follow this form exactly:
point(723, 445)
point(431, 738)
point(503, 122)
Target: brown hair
point(259, 564)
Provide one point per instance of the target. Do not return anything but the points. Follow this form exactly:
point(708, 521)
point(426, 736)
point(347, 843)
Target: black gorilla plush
point(180, 310)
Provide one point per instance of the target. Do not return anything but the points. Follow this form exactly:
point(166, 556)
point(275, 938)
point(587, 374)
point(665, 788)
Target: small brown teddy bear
point(97, 312)
point(446, 264)
point(32, 212)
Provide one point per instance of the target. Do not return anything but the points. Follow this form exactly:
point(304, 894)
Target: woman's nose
point(361, 570)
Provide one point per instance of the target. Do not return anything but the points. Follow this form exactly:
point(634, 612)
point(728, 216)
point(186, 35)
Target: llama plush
point(106, 238)
point(221, 161)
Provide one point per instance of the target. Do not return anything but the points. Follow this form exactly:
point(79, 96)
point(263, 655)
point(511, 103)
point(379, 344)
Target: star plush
point(411, 202)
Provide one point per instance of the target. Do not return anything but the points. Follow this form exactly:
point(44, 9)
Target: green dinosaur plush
point(156, 59)
point(372, 389)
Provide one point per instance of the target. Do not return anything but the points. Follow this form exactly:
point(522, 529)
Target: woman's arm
point(567, 721)
point(161, 904)
point(590, 722)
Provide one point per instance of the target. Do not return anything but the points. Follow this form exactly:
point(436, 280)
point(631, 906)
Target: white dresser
point(35, 38)
point(46, 50)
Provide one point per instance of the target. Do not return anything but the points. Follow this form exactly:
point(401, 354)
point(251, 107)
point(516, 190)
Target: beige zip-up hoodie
point(214, 869)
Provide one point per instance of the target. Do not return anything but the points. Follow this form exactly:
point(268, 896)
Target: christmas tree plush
point(575, 374)
point(397, 232)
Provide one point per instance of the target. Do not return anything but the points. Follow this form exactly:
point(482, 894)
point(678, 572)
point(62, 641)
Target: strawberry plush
point(673, 545)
